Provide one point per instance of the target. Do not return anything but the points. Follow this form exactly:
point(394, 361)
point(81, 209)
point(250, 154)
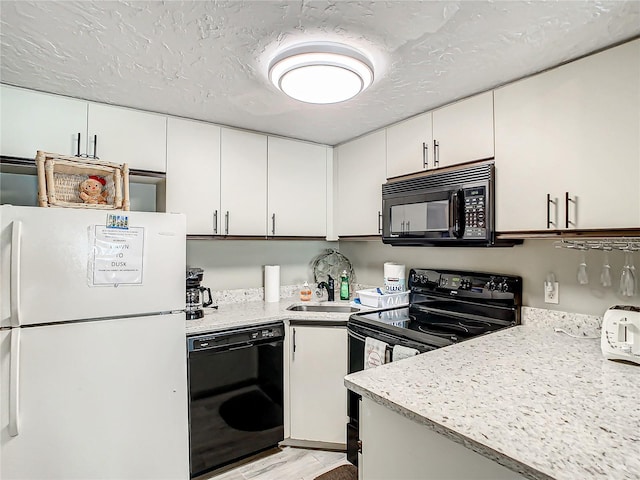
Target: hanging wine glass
point(583, 275)
point(627, 277)
point(605, 274)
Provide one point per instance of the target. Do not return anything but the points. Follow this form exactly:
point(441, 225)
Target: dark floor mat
point(343, 472)
point(251, 411)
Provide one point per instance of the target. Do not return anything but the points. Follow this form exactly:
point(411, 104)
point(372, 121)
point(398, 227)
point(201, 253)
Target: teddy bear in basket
point(91, 190)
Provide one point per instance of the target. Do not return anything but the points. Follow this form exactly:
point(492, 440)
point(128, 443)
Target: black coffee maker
point(195, 294)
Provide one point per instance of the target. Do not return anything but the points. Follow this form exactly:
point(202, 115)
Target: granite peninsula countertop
point(537, 401)
point(245, 314)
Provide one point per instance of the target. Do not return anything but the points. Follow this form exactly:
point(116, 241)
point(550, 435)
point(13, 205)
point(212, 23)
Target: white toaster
point(621, 333)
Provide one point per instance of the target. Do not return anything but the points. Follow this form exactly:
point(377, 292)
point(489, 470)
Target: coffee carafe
point(196, 294)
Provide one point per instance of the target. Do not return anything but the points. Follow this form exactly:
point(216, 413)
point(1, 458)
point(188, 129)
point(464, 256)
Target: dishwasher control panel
point(235, 338)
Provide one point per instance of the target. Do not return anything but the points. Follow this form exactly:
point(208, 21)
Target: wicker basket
point(59, 180)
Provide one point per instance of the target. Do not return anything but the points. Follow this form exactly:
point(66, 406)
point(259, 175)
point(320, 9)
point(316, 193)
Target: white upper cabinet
point(32, 121)
point(193, 174)
point(573, 134)
point(243, 186)
point(463, 131)
point(128, 136)
point(410, 146)
point(297, 188)
point(361, 173)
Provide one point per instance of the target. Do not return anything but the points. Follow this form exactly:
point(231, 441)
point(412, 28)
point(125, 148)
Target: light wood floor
point(283, 463)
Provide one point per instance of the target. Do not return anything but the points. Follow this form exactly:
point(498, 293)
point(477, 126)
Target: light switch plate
point(551, 292)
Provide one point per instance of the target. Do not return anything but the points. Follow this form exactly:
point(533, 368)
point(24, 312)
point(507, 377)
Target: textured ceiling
point(208, 60)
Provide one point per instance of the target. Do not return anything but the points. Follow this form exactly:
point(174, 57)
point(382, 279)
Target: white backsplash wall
point(234, 264)
point(533, 261)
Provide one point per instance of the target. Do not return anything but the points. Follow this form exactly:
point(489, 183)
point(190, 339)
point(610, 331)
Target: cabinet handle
point(293, 350)
point(215, 221)
point(408, 226)
point(273, 224)
point(95, 147)
point(379, 222)
point(425, 155)
point(401, 227)
point(549, 202)
point(78, 146)
point(226, 223)
point(568, 200)
point(436, 153)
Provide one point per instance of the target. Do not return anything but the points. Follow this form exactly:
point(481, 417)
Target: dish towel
point(374, 352)
point(400, 352)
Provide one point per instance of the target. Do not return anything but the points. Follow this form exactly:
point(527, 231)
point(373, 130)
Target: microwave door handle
point(457, 206)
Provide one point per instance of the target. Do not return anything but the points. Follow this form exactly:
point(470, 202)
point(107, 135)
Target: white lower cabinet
point(193, 174)
point(572, 130)
point(317, 395)
point(361, 173)
point(396, 448)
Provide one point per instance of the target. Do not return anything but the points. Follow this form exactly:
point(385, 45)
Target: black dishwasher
point(235, 394)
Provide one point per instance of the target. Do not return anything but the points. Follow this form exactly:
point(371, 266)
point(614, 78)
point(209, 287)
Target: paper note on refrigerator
point(116, 256)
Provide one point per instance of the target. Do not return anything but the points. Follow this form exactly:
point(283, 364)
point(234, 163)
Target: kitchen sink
point(323, 308)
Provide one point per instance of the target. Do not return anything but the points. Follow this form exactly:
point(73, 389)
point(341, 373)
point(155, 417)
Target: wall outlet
point(551, 292)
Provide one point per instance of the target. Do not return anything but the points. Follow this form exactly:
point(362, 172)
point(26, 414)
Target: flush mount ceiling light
point(321, 72)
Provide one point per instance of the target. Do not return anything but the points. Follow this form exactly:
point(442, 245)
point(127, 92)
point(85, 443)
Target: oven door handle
point(466, 316)
point(355, 335)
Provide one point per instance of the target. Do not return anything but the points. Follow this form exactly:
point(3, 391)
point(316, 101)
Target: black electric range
point(445, 307)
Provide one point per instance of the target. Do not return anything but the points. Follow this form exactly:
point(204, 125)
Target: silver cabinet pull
point(226, 223)
point(549, 202)
point(436, 153)
point(567, 200)
point(215, 221)
point(425, 155)
point(273, 224)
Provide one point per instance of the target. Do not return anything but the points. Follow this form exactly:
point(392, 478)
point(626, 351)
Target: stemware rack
point(631, 244)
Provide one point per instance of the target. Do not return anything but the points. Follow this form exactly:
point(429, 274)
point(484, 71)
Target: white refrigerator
point(93, 375)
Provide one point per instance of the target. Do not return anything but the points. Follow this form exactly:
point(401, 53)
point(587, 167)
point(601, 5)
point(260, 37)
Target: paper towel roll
point(394, 280)
point(272, 283)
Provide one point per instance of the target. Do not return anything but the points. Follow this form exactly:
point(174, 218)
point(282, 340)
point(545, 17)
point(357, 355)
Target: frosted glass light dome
point(321, 73)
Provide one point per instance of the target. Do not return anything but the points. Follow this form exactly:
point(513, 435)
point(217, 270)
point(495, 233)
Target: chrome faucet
point(329, 285)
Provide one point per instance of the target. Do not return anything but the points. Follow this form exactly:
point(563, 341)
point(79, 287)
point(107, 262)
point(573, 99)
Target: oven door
point(357, 335)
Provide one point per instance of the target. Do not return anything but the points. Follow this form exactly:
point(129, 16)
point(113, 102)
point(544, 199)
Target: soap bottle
point(305, 292)
point(344, 286)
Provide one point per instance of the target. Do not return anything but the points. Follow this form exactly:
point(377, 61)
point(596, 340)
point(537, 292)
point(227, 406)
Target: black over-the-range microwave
point(452, 207)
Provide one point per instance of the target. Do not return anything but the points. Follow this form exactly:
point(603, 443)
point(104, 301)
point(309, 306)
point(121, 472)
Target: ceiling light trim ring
point(322, 54)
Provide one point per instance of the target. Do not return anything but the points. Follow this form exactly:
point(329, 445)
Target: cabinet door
point(243, 177)
point(128, 136)
point(193, 174)
point(572, 129)
point(33, 121)
point(297, 188)
point(410, 146)
point(361, 173)
point(318, 397)
point(464, 130)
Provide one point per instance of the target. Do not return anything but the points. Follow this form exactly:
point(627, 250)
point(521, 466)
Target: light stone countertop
point(245, 314)
point(539, 402)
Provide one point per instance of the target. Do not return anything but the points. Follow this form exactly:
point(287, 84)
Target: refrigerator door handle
point(16, 242)
point(14, 384)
